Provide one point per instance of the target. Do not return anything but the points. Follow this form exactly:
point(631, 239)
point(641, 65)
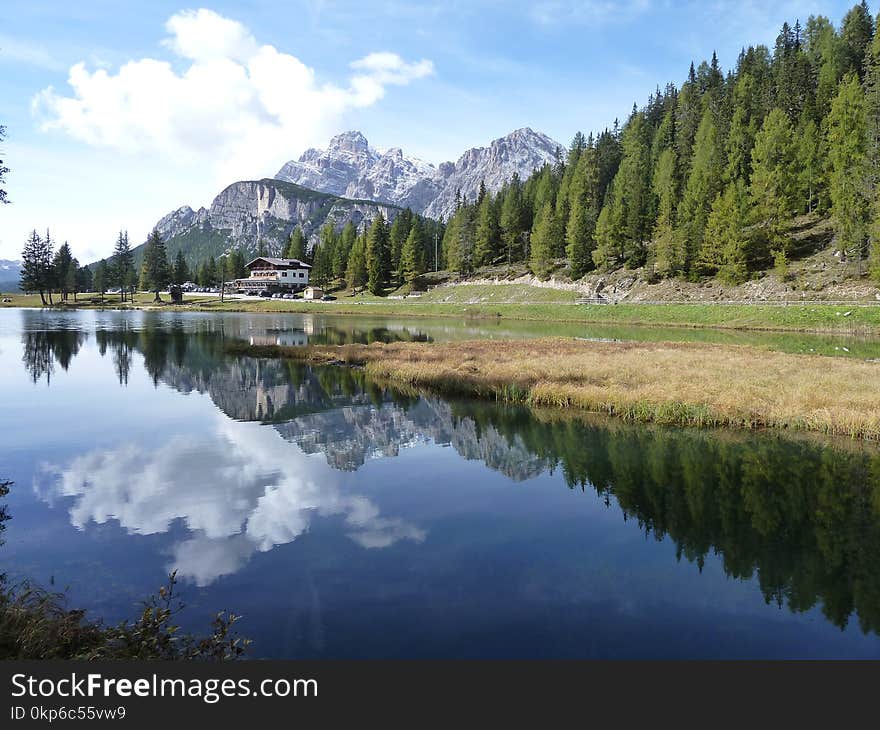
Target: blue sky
point(171, 102)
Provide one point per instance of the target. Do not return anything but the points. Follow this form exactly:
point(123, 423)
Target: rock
point(350, 167)
point(249, 211)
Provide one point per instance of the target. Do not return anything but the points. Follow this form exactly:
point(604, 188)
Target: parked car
point(265, 293)
point(328, 298)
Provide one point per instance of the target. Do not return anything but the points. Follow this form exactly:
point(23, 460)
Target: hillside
point(249, 212)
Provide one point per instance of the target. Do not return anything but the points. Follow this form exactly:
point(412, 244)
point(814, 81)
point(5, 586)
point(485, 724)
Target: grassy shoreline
point(667, 383)
point(855, 318)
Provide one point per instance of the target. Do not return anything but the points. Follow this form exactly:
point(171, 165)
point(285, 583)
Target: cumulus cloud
point(239, 490)
point(241, 106)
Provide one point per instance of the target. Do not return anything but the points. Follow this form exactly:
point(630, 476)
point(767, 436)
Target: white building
point(273, 275)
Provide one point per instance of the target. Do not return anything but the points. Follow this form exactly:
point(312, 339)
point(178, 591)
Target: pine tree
point(323, 253)
point(856, 32)
point(412, 257)
point(397, 236)
point(667, 256)
point(343, 250)
point(296, 245)
point(610, 230)
point(458, 240)
point(71, 279)
point(36, 263)
point(85, 279)
point(741, 136)
point(156, 274)
point(122, 265)
point(61, 264)
point(808, 165)
point(512, 220)
point(487, 244)
point(633, 185)
point(773, 182)
point(583, 211)
point(545, 233)
point(378, 257)
point(100, 278)
point(702, 187)
point(727, 245)
point(356, 271)
point(181, 270)
point(848, 157)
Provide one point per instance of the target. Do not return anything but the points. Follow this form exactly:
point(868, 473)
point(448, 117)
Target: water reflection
point(801, 516)
point(238, 489)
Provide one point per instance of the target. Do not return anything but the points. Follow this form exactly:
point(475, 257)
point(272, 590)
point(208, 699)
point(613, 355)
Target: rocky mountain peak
point(350, 167)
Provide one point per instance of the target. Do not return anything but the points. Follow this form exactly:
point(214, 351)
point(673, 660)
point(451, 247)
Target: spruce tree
point(512, 220)
point(296, 245)
point(773, 183)
point(181, 270)
point(343, 250)
point(397, 236)
point(703, 184)
point(61, 264)
point(808, 165)
point(487, 244)
point(100, 279)
point(36, 264)
point(378, 257)
point(583, 211)
point(122, 263)
point(667, 256)
point(849, 173)
point(156, 271)
point(412, 257)
point(727, 247)
point(545, 233)
point(356, 270)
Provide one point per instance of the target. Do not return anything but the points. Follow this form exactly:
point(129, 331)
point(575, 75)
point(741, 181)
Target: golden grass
point(671, 383)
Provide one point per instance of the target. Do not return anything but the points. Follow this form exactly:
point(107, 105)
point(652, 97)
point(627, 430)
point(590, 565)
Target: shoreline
point(861, 319)
point(678, 384)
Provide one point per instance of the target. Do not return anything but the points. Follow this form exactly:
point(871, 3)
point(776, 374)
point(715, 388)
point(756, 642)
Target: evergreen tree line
point(706, 179)
point(47, 271)
point(379, 257)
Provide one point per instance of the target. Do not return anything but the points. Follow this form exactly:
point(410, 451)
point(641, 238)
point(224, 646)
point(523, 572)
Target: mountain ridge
point(351, 167)
point(250, 212)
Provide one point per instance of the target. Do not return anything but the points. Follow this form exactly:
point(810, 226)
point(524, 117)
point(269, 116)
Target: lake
point(342, 519)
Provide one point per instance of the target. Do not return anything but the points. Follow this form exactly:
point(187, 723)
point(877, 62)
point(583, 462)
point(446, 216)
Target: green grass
point(91, 300)
point(539, 304)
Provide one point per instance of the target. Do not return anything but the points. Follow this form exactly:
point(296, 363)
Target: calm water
point(343, 520)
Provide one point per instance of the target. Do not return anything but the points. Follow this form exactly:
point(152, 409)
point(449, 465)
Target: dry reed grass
point(672, 383)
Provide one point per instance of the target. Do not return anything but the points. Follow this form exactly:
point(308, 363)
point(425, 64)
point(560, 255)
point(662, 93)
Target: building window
point(284, 274)
point(301, 275)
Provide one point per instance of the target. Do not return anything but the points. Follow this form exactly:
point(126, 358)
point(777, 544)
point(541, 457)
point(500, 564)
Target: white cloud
point(239, 490)
point(239, 106)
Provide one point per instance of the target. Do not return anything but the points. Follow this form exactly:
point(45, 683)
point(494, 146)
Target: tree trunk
point(42, 297)
point(157, 299)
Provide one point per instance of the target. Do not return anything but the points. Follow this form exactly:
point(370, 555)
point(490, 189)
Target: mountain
point(350, 167)
point(249, 211)
point(10, 271)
